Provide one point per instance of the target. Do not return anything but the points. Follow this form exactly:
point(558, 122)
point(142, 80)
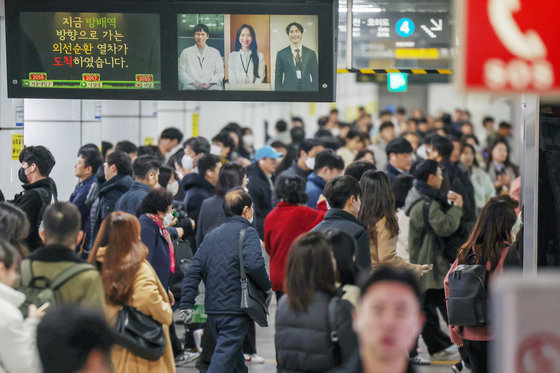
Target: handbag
point(139, 333)
point(254, 301)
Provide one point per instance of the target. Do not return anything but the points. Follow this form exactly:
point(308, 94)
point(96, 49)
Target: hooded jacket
point(444, 221)
point(34, 199)
point(197, 189)
point(109, 194)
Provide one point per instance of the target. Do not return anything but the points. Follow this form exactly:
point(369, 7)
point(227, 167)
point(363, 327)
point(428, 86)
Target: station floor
point(265, 348)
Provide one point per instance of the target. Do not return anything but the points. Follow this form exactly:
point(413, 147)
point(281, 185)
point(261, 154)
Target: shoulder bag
point(254, 301)
point(139, 333)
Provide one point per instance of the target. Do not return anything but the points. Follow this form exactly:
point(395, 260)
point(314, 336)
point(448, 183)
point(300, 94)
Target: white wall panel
point(120, 108)
point(114, 129)
point(51, 109)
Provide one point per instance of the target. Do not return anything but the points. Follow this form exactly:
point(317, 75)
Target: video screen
point(90, 50)
point(253, 52)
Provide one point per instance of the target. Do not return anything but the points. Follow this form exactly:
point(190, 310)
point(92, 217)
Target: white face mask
point(310, 163)
point(335, 132)
point(187, 162)
point(252, 218)
point(216, 150)
point(173, 187)
point(168, 219)
point(248, 140)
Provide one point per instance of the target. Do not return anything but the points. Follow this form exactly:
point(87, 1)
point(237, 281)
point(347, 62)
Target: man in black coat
point(38, 189)
point(261, 183)
point(117, 169)
point(200, 186)
point(343, 197)
point(296, 65)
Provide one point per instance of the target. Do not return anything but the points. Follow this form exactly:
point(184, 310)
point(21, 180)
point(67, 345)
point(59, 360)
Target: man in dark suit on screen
point(296, 65)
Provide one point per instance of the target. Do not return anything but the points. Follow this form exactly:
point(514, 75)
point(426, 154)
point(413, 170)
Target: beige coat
point(385, 252)
point(150, 298)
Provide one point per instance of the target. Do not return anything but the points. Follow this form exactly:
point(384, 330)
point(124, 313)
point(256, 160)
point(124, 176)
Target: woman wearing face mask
point(483, 186)
point(246, 149)
point(18, 351)
point(156, 216)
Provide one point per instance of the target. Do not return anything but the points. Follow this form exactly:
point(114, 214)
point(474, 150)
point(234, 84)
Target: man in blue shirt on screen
point(296, 65)
point(200, 66)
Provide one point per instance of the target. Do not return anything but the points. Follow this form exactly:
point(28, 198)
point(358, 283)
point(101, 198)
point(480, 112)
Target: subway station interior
point(90, 72)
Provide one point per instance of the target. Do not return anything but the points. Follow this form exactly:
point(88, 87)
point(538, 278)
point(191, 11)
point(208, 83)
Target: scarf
point(159, 221)
point(434, 194)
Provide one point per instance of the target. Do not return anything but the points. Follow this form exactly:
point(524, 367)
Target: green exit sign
point(397, 82)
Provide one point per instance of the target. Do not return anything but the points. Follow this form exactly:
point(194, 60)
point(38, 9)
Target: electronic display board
point(248, 52)
point(172, 50)
point(90, 50)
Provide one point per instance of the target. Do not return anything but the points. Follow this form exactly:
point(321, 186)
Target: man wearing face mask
point(246, 149)
point(222, 146)
point(261, 183)
point(216, 263)
point(343, 196)
point(146, 171)
point(305, 162)
point(39, 189)
point(195, 148)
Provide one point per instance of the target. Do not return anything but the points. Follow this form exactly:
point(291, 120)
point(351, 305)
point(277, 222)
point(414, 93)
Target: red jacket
point(281, 227)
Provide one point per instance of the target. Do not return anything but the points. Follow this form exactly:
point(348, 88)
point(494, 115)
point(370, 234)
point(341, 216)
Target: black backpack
point(467, 304)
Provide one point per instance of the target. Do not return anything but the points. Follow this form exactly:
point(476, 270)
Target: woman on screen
point(246, 64)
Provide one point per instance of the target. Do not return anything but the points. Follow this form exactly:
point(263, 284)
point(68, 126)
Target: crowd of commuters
point(393, 206)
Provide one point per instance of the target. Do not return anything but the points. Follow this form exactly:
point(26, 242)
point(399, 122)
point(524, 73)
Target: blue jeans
point(229, 332)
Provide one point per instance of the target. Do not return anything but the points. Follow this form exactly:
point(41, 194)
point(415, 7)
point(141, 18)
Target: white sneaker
point(419, 360)
point(186, 357)
point(449, 354)
point(255, 359)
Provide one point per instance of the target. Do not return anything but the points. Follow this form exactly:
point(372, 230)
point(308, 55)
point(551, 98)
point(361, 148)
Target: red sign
point(510, 46)
point(539, 353)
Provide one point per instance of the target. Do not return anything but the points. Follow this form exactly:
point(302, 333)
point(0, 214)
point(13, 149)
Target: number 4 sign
point(509, 46)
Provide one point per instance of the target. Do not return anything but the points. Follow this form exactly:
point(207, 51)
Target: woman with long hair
point(303, 332)
point(346, 270)
point(128, 279)
point(501, 170)
point(490, 241)
point(379, 216)
point(246, 63)
point(483, 186)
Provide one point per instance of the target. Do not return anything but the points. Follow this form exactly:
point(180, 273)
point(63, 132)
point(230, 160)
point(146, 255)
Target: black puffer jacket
point(303, 343)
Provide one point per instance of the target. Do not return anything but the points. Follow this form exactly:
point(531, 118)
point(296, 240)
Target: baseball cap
point(267, 152)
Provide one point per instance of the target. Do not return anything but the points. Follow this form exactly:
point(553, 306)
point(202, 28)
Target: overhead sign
point(509, 46)
point(396, 39)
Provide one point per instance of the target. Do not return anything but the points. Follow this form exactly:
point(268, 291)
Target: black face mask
point(22, 176)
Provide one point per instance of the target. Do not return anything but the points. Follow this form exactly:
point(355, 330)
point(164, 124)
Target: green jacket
point(85, 289)
point(444, 224)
